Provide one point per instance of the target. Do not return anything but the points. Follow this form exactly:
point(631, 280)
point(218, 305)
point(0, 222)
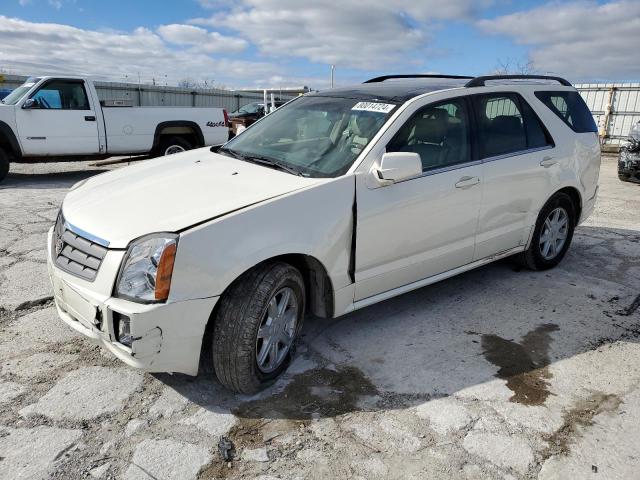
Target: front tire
point(552, 234)
point(4, 164)
point(256, 326)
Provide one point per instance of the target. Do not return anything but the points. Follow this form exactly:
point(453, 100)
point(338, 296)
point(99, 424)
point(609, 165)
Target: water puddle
point(523, 364)
point(317, 393)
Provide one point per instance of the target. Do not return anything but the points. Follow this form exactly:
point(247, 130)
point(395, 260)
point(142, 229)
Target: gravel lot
point(497, 373)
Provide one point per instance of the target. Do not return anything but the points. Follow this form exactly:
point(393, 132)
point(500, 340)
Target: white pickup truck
point(58, 118)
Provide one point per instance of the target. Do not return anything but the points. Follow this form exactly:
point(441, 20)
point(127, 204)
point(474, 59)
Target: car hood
point(171, 193)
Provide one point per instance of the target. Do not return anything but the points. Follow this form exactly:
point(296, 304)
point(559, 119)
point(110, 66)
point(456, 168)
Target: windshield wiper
point(269, 162)
point(232, 153)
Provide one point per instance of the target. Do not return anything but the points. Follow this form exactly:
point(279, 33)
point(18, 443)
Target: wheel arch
point(576, 198)
point(318, 284)
point(177, 128)
point(9, 141)
point(569, 190)
point(318, 287)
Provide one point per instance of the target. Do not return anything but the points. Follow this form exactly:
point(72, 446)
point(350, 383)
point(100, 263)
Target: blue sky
point(287, 42)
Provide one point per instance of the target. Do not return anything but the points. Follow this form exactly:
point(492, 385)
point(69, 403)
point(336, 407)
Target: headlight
point(146, 271)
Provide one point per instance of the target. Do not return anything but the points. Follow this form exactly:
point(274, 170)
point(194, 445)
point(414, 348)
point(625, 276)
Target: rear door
point(517, 166)
point(424, 226)
point(61, 121)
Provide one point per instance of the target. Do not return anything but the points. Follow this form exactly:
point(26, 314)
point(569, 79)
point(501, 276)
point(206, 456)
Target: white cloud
point(49, 48)
point(201, 39)
point(349, 33)
point(582, 40)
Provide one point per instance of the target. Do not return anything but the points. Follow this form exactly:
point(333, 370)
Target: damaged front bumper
point(629, 166)
point(164, 337)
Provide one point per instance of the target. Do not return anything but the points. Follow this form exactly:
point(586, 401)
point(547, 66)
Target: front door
point(60, 122)
point(424, 226)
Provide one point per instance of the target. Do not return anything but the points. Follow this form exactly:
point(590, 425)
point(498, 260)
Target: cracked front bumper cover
point(166, 337)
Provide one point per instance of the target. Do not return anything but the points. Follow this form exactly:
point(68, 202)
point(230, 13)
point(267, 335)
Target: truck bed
point(132, 129)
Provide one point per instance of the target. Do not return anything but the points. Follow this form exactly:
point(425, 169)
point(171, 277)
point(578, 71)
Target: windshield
point(15, 96)
point(317, 136)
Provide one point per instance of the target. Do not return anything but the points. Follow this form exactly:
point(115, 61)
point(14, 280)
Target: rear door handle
point(547, 162)
point(90, 118)
point(466, 182)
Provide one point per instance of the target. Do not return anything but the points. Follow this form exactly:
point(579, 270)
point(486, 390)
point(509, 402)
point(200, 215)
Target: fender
point(6, 132)
point(178, 123)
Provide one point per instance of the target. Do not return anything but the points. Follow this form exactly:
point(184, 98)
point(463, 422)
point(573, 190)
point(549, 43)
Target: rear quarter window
point(570, 108)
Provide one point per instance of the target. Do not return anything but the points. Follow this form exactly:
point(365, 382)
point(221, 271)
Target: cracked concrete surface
point(497, 373)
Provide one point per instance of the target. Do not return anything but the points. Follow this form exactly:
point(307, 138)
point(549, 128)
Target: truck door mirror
point(398, 166)
point(29, 103)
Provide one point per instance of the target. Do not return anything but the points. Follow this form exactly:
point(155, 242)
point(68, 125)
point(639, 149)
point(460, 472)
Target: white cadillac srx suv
point(335, 201)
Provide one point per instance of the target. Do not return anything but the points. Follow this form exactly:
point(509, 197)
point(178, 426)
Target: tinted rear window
point(571, 109)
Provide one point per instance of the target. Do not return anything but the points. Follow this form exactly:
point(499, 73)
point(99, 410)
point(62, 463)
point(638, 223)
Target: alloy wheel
point(554, 233)
point(277, 330)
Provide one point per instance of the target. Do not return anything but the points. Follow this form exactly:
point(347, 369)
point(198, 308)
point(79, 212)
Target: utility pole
point(333, 67)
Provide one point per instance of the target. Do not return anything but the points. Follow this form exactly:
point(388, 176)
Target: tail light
point(226, 118)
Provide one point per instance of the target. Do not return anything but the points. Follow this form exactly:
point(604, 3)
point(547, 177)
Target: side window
point(537, 135)
point(500, 124)
point(438, 133)
point(570, 108)
point(62, 95)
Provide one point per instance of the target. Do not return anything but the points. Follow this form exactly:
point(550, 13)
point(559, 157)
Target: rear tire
point(548, 243)
point(172, 145)
point(4, 164)
point(245, 314)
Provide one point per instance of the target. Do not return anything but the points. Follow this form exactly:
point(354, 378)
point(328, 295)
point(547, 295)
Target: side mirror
point(398, 166)
point(29, 103)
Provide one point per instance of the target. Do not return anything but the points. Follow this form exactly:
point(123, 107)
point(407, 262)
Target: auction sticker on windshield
point(373, 107)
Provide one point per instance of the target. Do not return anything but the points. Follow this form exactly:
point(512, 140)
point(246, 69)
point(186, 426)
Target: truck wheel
point(4, 164)
point(171, 145)
point(256, 326)
point(552, 235)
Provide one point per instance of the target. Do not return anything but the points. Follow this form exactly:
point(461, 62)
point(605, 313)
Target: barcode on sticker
point(373, 107)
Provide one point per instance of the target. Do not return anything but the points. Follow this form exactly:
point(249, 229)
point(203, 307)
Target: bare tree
point(511, 66)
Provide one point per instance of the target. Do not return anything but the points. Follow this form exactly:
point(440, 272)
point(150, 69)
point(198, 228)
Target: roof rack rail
point(390, 77)
point(480, 81)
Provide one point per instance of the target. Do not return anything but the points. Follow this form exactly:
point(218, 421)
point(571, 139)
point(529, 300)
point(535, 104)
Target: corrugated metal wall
point(156, 96)
point(615, 108)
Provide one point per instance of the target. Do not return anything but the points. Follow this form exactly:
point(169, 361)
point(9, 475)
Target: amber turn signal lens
point(164, 272)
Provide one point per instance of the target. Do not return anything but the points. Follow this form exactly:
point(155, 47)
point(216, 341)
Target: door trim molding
point(365, 302)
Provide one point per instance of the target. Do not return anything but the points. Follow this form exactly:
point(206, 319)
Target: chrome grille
point(74, 253)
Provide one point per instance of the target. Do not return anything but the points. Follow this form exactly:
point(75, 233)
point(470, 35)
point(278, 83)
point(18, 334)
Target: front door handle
point(547, 162)
point(466, 182)
point(90, 118)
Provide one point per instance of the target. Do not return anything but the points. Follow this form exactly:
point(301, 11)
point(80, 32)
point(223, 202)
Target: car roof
point(394, 91)
point(401, 88)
